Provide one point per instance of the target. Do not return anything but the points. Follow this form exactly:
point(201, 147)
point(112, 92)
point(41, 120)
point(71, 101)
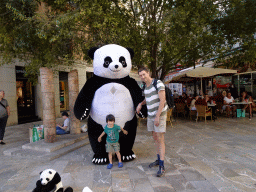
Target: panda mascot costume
point(110, 91)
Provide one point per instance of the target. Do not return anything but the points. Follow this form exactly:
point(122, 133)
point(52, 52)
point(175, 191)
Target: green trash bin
point(243, 113)
point(239, 113)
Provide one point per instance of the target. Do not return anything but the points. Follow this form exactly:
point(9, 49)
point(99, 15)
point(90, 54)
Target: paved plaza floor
point(200, 157)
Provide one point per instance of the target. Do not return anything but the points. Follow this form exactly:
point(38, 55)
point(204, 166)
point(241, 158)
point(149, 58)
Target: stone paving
point(200, 157)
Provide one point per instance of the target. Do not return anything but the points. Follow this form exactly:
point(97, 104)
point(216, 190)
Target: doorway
point(25, 96)
point(63, 89)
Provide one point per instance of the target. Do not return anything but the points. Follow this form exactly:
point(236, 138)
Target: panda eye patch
point(47, 179)
point(50, 172)
point(107, 61)
point(122, 61)
point(41, 179)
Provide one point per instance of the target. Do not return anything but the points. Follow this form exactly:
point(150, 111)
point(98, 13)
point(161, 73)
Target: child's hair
point(65, 114)
point(110, 117)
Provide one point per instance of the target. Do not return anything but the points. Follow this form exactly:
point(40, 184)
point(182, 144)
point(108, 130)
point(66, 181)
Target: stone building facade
point(25, 100)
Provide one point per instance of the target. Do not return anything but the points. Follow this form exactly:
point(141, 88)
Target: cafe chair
point(180, 108)
point(192, 113)
point(203, 111)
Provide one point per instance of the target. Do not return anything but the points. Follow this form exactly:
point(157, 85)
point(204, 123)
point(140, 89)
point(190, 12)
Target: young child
point(112, 145)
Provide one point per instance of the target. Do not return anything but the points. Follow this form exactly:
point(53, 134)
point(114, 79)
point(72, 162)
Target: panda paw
point(85, 114)
point(100, 160)
point(128, 157)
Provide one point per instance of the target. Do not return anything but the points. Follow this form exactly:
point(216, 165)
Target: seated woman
point(65, 128)
point(246, 98)
point(185, 99)
point(224, 94)
point(193, 104)
point(207, 99)
point(228, 106)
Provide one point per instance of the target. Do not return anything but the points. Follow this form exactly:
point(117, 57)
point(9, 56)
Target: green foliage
point(162, 33)
point(237, 23)
point(32, 36)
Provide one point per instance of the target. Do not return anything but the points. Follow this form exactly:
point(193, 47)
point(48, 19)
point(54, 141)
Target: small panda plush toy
point(50, 181)
point(110, 91)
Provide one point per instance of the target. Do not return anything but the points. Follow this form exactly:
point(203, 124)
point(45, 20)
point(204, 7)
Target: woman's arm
point(8, 110)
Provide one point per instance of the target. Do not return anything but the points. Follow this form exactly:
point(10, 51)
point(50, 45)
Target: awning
point(209, 72)
point(200, 72)
point(245, 73)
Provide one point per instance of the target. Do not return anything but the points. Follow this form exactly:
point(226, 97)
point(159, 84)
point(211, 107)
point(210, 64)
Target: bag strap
point(2, 104)
point(154, 83)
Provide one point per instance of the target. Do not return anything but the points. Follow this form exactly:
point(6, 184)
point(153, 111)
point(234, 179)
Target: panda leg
point(94, 131)
point(127, 141)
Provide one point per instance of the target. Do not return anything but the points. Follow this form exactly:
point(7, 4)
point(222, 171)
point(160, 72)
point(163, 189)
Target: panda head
point(49, 175)
point(111, 61)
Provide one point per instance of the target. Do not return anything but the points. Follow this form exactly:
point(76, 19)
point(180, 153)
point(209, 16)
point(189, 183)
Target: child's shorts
point(112, 147)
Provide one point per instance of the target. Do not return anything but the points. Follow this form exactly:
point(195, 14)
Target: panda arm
point(137, 97)
point(38, 186)
point(84, 100)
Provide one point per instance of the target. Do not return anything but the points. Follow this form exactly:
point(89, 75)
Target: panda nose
point(116, 66)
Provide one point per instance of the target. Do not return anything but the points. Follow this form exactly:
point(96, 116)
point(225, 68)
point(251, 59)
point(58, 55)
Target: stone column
point(73, 93)
point(48, 104)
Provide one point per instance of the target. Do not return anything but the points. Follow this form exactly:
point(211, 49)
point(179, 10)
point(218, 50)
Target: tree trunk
point(73, 93)
point(49, 117)
point(153, 62)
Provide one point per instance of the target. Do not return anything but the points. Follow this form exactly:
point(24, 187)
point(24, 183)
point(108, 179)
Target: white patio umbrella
point(201, 72)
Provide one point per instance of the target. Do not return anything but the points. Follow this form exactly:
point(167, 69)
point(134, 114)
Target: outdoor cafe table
point(241, 103)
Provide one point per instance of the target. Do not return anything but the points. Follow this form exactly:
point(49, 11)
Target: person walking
point(4, 113)
point(157, 113)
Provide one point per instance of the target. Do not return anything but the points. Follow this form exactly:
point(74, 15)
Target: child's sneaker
point(161, 171)
point(110, 166)
point(120, 165)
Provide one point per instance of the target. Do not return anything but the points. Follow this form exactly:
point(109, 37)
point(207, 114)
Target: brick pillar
point(48, 104)
point(73, 93)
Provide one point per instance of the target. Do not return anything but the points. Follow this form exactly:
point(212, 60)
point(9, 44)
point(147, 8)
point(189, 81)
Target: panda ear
point(40, 172)
point(56, 178)
point(92, 51)
point(130, 51)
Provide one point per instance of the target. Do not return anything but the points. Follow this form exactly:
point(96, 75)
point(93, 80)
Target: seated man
point(65, 128)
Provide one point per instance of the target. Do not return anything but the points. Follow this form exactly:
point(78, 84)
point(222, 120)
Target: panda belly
point(115, 99)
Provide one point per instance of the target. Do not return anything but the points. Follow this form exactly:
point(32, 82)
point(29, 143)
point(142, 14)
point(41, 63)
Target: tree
point(162, 33)
point(30, 31)
point(237, 23)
